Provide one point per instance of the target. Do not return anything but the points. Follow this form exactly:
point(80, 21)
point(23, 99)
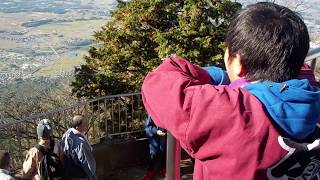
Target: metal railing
point(313, 56)
point(115, 117)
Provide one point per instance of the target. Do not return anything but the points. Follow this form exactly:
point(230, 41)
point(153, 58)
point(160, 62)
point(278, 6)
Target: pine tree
point(142, 32)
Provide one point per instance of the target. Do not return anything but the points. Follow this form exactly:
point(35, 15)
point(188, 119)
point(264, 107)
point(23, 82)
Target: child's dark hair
point(271, 40)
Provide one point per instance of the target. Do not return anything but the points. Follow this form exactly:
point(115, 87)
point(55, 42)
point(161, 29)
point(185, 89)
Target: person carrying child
point(263, 125)
point(41, 162)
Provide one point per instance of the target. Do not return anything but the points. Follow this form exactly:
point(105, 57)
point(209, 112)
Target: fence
point(114, 117)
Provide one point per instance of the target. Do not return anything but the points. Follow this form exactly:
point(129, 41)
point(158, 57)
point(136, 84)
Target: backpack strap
point(43, 168)
point(41, 149)
point(52, 144)
point(58, 150)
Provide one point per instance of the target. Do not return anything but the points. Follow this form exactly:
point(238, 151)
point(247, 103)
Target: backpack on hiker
point(50, 166)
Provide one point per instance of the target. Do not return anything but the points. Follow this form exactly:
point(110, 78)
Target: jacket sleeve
point(217, 75)
point(86, 159)
point(180, 97)
point(150, 127)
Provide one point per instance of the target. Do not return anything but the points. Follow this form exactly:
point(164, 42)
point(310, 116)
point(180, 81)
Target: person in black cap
point(31, 164)
point(5, 166)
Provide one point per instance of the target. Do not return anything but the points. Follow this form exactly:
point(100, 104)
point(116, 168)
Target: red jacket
point(226, 130)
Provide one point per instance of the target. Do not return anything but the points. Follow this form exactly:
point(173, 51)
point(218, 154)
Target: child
point(261, 126)
point(157, 146)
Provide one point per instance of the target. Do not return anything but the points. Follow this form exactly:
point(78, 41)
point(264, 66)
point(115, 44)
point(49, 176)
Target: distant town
point(47, 38)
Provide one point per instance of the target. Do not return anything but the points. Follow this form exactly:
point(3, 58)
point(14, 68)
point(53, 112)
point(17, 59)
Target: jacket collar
point(4, 171)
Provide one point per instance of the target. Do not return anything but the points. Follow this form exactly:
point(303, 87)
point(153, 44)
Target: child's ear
point(238, 67)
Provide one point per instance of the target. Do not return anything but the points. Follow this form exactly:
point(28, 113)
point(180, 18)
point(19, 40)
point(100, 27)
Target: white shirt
point(4, 175)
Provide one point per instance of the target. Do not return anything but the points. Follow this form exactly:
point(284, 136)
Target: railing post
point(173, 158)
point(313, 64)
point(105, 119)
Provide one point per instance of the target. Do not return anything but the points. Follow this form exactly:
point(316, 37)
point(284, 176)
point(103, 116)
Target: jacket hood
point(293, 105)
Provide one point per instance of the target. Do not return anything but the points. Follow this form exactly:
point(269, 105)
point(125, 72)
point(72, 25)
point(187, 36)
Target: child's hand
point(161, 133)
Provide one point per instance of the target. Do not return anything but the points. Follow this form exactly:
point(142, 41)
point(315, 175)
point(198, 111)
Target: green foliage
point(142, 32)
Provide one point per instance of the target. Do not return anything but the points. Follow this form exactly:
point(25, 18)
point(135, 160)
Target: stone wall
point(112, 156)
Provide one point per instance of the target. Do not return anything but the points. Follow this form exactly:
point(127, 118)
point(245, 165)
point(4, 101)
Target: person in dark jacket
point(157, 145)
point(77, 151)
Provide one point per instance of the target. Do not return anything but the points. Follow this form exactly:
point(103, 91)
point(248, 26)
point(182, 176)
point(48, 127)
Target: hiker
point(31, 165)
point(260, 126)
point(78, 158)
point(5, 166)
point(157, 147)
